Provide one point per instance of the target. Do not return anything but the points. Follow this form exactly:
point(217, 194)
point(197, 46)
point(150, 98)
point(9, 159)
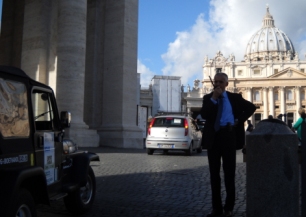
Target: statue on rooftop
point(196, 84)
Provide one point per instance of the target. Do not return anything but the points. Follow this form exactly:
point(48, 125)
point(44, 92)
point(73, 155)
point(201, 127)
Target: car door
point(47, 136)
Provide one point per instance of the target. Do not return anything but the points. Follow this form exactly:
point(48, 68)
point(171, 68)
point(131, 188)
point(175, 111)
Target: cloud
point(146, 74)
point(229, 26)
point(185, 56)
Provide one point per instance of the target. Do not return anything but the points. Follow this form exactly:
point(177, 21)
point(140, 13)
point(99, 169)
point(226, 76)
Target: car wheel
point(23, 205)
point(150, 151)
point(81, 200)
point(189, 151)
point(165, 152)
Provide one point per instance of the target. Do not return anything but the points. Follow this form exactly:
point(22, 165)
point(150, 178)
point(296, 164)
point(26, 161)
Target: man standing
point(223, 134)
point(250, 126)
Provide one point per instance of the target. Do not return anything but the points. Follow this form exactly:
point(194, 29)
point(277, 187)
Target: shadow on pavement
point(132, 184)
point(101, 150)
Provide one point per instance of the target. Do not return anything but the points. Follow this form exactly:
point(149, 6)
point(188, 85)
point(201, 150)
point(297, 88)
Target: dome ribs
point(269, 43)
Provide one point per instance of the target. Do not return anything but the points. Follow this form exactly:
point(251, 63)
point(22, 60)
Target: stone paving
point(132, 183)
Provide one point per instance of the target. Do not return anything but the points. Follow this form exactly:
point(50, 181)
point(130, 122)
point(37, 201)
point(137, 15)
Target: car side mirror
point(65, 119)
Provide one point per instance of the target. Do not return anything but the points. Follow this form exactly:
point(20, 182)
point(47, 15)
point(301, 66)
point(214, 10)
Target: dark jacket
point(242, 110)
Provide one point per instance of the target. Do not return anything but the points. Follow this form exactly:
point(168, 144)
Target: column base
point(83, 136)
point(121, 137)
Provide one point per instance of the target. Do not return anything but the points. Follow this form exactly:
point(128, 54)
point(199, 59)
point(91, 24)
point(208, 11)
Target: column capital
point(282, 87)
point(248, 88)
point(271, 88)
point(297, 87)
point(264, 88)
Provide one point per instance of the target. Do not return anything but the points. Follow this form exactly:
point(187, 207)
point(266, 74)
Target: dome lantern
point(268, 20)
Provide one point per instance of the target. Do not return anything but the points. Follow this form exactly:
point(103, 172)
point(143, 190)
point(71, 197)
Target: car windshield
point(169, 122)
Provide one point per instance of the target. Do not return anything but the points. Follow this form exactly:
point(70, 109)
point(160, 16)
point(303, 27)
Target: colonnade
point(268, 100)
point(87, 52)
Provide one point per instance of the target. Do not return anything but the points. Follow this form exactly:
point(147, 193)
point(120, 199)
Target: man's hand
point(217, 93)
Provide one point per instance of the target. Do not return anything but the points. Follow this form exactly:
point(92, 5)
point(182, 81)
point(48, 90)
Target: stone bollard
point(272, 171)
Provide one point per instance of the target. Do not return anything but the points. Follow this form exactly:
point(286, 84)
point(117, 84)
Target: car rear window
point(168, 122)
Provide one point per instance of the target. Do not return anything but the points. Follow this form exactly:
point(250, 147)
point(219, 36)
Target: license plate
point(165, 145)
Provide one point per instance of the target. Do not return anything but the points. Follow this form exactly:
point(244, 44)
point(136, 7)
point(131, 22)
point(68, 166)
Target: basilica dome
point(269, 43)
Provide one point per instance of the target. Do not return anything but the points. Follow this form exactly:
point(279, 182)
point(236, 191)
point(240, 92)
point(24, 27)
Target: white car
point(173, 132)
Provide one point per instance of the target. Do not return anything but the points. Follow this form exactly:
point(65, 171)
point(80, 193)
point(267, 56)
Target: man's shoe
point(215, 214)
point(228, 213)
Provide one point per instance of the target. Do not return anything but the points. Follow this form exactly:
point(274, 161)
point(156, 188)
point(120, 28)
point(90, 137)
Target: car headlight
point(69, 146)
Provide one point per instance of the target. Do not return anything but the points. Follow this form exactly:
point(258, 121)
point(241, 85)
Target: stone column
point(265, 102)
point(298, 100)
point(271, 101)
point(250, 98)
point(249, 93)
point(282, 99)
point(11, 33)
point(118, 128)
point(93, 99)
point(34, 43)
point(231, 70)
point(38, 56)
point(71, 68)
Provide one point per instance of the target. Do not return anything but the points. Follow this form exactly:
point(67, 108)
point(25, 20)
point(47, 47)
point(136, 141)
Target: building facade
point(164, 95)
point(166, 91)
point(272, 75)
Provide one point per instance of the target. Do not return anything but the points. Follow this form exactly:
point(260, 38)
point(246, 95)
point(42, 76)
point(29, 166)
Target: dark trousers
point(223, 148)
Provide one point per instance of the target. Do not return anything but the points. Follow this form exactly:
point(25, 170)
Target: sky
point(174, 36)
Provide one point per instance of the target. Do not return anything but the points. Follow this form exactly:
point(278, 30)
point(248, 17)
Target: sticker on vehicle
point(177, 121)
point(49, 157)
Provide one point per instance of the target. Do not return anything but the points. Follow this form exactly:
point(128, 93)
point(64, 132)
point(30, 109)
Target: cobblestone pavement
point(132, 183)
